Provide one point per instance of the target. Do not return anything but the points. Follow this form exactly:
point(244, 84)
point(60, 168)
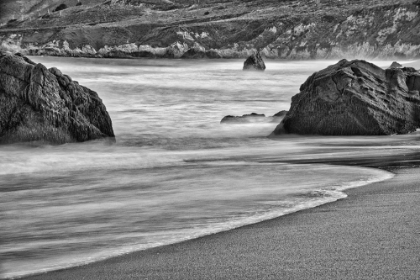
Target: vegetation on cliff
point(287, 29)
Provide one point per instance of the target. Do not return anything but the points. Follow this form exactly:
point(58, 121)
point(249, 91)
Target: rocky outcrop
point(247, 118)
point(253, 118)
point(286, 30)
point(40, 104)
point(355, 98)
point(395, 65)
point(254, 62)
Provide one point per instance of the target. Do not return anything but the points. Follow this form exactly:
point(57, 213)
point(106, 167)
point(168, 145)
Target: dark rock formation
point(355, 98)
point(40, 104)
point(254, 62)
point(194, 54)
point(60, 8)
point(280, 114)
point(247, 118)
point(79, 4)
point(395, 65)
point(254, 118)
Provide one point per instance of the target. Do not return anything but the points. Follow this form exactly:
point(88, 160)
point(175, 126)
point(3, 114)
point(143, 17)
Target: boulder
point(355, 98)
point(254, 62)
point(395, 65)
point(40, 104)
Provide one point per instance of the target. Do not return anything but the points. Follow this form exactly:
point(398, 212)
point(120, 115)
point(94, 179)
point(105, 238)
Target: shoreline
point(333, 196)
point(198, 258)
point(407, 60)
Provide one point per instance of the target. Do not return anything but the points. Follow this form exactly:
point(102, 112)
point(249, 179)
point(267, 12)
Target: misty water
point(175, 172)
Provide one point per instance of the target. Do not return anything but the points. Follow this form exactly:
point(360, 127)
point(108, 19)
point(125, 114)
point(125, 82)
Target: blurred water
point(175, 173)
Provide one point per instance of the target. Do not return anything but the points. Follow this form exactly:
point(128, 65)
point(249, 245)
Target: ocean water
point(175, 172)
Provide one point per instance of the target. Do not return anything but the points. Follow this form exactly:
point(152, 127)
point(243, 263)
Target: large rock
point(40, 104)
point(254, 62)
point(355, 98)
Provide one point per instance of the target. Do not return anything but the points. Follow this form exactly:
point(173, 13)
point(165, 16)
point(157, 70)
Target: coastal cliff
point(219, 29)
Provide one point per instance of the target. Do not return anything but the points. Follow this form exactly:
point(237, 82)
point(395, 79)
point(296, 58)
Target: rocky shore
point(285, 30)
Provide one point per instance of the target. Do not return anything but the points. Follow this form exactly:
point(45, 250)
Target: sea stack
point(395, 65)
point(355, 98)
point(254, 62)
point(40, 104)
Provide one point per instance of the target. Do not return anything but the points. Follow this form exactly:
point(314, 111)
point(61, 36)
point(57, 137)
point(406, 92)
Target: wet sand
point(372, 234)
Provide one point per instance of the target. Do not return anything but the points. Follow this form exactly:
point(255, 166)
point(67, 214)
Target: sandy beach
point(372, 234)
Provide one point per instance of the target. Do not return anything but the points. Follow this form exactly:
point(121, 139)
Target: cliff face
point(40, 104)
point(355, 98)
point(223, 29)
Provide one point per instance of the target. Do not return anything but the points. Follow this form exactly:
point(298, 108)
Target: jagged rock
point(275, 29)
point(355, 98)
point(247, 118)
point(395, 65)
point(254, 62)
point(40, 104)
point(254, 118)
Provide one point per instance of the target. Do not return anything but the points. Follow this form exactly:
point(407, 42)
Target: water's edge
point(331, 196)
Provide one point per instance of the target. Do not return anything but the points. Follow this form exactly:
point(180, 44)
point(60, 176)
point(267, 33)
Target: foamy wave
point(307, 199)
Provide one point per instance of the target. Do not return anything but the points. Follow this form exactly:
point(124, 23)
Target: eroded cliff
point(223, 29)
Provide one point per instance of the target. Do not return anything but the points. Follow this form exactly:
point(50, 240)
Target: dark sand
point(372, 234)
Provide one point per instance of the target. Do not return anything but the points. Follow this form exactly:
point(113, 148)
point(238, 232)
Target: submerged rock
point(355, 98)
point(395, 65)
point(247, 118)
point(254, 62)
point(40, 104)
point(254, 118)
